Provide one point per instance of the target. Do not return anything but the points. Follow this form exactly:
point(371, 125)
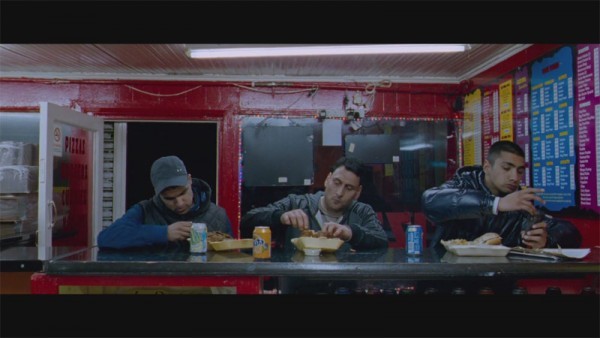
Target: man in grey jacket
point(335, 211)
point(488, 198)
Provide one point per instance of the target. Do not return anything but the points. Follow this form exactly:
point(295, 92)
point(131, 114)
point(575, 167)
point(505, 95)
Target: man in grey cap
point(166, 218)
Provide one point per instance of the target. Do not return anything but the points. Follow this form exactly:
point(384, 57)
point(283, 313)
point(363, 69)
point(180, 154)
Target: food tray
point(231, 244)
point(548, 254)
point(477, 249)
point(325, 244)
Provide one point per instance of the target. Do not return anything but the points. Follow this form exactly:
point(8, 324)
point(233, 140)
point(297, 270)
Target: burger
point(490, 238)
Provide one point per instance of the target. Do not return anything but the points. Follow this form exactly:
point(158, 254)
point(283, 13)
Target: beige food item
point(490, 238)
point(217, 236)
point(231, 244)
point(458, 241)
point(312, 233)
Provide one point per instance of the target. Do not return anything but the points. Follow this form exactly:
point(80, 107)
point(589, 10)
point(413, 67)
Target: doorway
point(195, 143)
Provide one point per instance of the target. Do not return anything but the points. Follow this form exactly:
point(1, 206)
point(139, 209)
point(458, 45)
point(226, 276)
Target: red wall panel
point(215, 101)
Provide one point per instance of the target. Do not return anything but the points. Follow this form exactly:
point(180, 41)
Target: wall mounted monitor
point(277, 155)
point(373, 149)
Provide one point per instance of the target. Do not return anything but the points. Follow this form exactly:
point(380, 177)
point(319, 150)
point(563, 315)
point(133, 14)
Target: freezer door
point(70, 179)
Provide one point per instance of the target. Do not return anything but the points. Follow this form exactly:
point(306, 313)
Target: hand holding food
point(336, 230)
point(296, 218)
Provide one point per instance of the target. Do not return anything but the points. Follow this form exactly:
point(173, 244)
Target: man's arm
point(449, 202)
point(129, 231)
point(269, 215)
point(368, 232)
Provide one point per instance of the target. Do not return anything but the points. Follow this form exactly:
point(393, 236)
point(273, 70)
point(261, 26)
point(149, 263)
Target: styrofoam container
point(312, 252)
point(325, 244)
point(479, 250)
point(231, 244)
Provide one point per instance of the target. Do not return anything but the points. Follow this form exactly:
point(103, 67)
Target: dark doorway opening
point(194, 142)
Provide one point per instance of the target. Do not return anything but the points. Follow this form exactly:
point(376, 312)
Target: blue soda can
point(414, 239)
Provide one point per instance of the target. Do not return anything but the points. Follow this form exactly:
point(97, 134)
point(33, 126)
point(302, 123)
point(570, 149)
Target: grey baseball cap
point(167, 172)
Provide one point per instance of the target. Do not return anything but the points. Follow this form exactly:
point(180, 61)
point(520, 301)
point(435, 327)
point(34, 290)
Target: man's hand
point(179, 231)
point(340, 231)
point(521, 200)
point(296, 218)
point(536, 237)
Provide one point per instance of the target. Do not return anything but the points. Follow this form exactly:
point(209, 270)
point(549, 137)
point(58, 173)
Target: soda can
point(198, 241)
point(261, 238)
point(414, 239)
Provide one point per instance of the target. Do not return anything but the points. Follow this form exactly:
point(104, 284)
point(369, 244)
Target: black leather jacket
point(462, 208)
point(367, 232)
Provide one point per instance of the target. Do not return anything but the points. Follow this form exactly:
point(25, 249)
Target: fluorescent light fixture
point(271, 51)
point(418, 146)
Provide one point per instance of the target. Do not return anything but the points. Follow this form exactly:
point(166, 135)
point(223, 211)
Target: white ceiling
point(169, 62)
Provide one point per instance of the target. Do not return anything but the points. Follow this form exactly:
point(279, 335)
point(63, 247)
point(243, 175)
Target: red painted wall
point(222, 102)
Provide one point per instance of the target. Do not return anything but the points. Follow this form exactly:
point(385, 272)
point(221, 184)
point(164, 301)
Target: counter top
point(386, 263)
point(25, 258)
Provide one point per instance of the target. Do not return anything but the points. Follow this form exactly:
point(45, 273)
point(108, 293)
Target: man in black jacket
point(488, 198)
point(334, 211)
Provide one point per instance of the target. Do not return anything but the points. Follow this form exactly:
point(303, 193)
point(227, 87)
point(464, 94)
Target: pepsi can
point(414, 239)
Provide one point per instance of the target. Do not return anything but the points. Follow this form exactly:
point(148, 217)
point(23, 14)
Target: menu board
point(472, 129)
point(490, 119)
point(588, 117)
point(553, 130)
point(521, 119)
point(506, 110)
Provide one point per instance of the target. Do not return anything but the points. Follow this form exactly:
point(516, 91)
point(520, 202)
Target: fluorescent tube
point(241, 52)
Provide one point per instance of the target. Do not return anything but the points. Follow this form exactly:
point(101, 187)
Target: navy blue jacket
point(145, 223)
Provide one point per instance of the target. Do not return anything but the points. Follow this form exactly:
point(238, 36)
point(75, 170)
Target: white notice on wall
point(57, 145)
point(332, 132)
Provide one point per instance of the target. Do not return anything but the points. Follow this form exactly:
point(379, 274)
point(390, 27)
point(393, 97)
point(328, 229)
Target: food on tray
point(490, 238)
point(458, 241)
point(231, 244)
point(488, 244)
point(217, 236)
point(221, 241)
point(312, 233)
point(325, 244)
